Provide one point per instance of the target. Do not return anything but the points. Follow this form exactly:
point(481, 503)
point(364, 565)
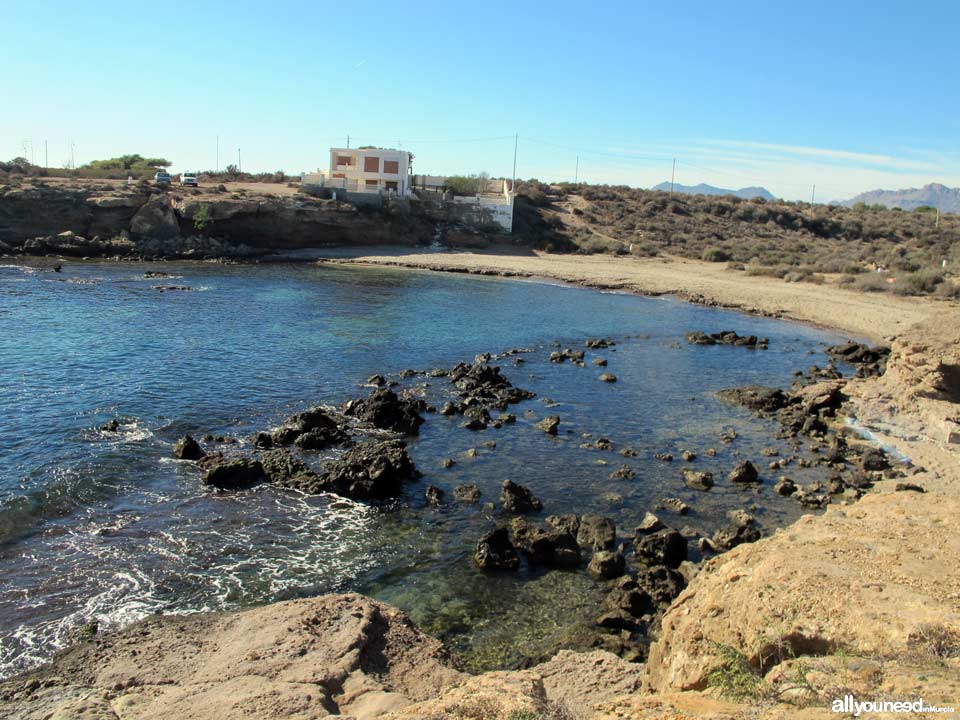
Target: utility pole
point(516, 143)
point(217, 163)
point(239, 164)
point(673, 174)
point(348, 142)
point(576, 173)
point(813, 193)
point(46, 155)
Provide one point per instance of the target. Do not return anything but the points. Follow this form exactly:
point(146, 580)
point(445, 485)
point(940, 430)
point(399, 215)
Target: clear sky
point(849, 96)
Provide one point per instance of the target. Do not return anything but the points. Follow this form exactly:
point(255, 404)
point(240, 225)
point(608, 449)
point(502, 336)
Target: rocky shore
point(860, 599)
point(146, 222)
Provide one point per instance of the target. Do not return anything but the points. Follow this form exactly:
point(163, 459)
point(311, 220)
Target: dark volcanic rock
point(546, 545)
point(495, 551)
point(874, 459)
point(466, 493)
point(434, 495)
point(283, 468)
point(628, 596)
point(234, 474)
point(785, 486)
point(606, 564)
point(385, 410)
point(726, 337)
point(756, 397)
point(517, 498)
point(608, 377)
point(596, 532)
point(371, 470)
point(663, 547)
point(568, 523)
point(186, 448)
point(661, 583)
point(744, 472)
point(731, 537)
point(326, 427)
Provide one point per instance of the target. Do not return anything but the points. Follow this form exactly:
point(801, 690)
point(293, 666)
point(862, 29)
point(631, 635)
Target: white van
point(189, 178)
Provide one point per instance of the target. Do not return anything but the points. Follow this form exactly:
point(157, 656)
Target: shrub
point(948, 289)
point(923, 282)
point(715, 254)
point(872, 283)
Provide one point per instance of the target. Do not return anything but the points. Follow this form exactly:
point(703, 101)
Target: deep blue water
point(108, 527)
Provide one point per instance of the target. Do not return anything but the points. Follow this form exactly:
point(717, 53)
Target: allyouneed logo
point(848, 704)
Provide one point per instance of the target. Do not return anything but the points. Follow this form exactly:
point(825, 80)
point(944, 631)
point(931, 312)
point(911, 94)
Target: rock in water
point(608, 377)
point(187, 449)
point(385, 410)
point(596, 532)
point(549, 424)
point(606, 564)
point(758, 398)
point(372, 470)
point(663, 547)
point(234, 474)
point(284, 469)
point(698, 480)
point(517, 498)
point(744, 472)
point(495, 551)
point(466, 494)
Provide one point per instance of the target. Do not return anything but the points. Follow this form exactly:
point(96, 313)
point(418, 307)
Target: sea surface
point(107, 527)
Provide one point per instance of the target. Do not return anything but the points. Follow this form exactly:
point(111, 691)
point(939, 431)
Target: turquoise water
point(107, 527)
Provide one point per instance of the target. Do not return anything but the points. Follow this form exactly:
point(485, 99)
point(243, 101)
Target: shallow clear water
point(108, 527)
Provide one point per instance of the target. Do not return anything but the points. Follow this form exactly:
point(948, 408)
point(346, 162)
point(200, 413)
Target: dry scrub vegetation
point(791, 240)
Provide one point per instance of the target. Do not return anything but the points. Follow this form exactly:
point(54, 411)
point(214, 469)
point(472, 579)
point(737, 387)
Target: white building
point(371, 170)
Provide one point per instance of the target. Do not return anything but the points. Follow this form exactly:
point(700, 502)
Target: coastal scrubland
point(868, 248)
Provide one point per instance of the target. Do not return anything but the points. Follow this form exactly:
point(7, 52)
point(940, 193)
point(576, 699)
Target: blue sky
point(849, 96)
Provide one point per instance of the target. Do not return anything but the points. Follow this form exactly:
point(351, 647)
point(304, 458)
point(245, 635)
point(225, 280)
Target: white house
point(373, 170)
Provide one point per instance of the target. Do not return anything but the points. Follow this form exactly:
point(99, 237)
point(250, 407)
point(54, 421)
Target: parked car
point(162, 178)
point(189, 178)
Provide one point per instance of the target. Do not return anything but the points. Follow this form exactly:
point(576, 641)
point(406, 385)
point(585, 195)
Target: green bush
point(923, 282)
point(715, 254)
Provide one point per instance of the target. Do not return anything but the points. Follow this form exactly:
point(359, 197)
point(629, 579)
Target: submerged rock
point(466, 493)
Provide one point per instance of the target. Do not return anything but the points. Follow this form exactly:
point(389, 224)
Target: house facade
point(371, 170)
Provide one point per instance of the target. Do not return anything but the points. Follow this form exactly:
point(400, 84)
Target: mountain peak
point(704, 189)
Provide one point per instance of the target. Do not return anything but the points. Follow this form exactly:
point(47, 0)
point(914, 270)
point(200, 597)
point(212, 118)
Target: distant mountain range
point(704, 189)
point(934, 195)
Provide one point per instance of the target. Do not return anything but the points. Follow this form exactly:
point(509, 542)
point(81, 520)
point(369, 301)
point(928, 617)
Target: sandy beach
point(873, 316)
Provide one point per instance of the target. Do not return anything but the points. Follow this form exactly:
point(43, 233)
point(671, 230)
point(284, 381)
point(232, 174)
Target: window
point(390, 184)
point(371, 164)
point(391, 167)
point(372, 183)
point(344, 160)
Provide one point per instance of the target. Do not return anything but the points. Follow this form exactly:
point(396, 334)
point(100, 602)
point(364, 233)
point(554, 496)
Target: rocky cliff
point(144, 221)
